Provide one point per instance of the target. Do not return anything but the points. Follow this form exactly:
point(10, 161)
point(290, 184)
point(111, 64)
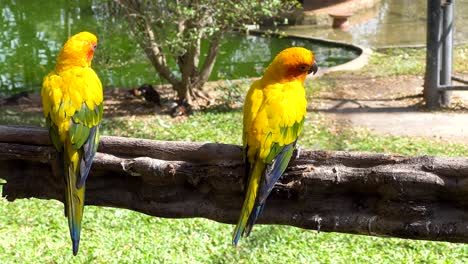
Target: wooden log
point(337, 191)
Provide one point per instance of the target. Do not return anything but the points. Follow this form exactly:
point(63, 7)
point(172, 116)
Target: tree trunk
point(360, 193)
point(183, 94)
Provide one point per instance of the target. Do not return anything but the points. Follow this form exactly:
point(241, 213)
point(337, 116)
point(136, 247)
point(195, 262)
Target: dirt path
point(392, 106)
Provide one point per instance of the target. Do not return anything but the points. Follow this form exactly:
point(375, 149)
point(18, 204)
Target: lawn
point(35, 231)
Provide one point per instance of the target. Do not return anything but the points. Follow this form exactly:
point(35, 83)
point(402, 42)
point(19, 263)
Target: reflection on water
point(32, 33)
point(392, 22)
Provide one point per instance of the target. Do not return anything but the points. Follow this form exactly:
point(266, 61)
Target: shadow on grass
point(413, 96)
point(351, 110)
point(222, 108)
point(356, 105)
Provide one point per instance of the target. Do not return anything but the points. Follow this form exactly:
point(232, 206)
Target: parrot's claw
point(296, 152)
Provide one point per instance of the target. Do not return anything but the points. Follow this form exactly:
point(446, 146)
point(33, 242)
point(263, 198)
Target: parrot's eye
point(303, 67)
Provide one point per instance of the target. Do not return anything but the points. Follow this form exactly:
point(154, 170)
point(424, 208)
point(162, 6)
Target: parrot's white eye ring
point(303, 68)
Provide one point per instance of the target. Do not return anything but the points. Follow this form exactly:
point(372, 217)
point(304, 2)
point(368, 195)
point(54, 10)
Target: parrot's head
point(78, 50)
point(292, 64)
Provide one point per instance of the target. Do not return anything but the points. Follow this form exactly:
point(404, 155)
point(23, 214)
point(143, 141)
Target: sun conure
point(274, 113)
point(72, 99)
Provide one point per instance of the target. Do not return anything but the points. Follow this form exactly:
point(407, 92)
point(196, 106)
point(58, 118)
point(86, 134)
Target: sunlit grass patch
point(396, 61)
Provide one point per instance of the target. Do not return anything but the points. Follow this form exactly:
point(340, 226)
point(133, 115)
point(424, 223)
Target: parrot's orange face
point(90, 54)
point(79, 49)
point(294, 63)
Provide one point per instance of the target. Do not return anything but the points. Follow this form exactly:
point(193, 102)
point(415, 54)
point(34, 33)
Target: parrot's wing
point(54, 134)
point(84, 133)
point(84, 125)
point(253, 102)
point(278, 159)
point(274, 170)
point(276, 163)
point(49, 99)
point(247, 167)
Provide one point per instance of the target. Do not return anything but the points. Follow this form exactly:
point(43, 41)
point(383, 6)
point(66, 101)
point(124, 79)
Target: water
point(390, 23)
point(32, 33)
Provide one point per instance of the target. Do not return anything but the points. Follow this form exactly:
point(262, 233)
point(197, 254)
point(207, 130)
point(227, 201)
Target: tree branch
point(210, 60)
point(137, 17)
point(360, 193)
point(157, 58)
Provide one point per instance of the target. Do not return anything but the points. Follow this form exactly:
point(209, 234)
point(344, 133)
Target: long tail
point(250, 209)
point(74, 199)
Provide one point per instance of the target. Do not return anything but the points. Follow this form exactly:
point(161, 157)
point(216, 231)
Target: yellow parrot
point(72, 100)
point(274, 113)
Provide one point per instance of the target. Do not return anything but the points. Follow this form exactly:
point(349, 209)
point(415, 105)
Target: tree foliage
point(173, 30)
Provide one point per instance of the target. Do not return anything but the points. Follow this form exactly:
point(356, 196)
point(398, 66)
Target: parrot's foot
point(296, 152)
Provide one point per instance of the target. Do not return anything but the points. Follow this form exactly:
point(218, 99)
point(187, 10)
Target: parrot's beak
point(91, 52)
point(313, 68)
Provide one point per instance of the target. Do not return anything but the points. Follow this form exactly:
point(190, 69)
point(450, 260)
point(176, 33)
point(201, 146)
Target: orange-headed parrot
point(274, 113)
point(72, 99)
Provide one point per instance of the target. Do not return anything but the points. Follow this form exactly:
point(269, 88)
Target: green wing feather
point(53, 134)
point(277, 161)
point(84, 135)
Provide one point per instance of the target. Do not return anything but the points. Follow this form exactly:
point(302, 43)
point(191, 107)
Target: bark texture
point(360, 193)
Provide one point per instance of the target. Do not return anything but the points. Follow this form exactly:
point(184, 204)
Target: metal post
point(447, 50)
point(431, 80)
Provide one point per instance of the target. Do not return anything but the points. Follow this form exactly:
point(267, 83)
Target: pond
point(390, 23)
point(32, 33)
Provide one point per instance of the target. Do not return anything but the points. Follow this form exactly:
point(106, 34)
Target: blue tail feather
point(253, 218)
point(237, 236)
point(76, 244)
point(75, 233)
point(257, 210)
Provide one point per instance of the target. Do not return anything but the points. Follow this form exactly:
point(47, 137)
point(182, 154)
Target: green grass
point(214, 126)
point(396, 61)
point(460, 58)
point(409, 61)
point(34, 231)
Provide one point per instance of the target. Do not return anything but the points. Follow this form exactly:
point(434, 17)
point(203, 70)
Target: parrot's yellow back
point(72, 100)
point(274, 112)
